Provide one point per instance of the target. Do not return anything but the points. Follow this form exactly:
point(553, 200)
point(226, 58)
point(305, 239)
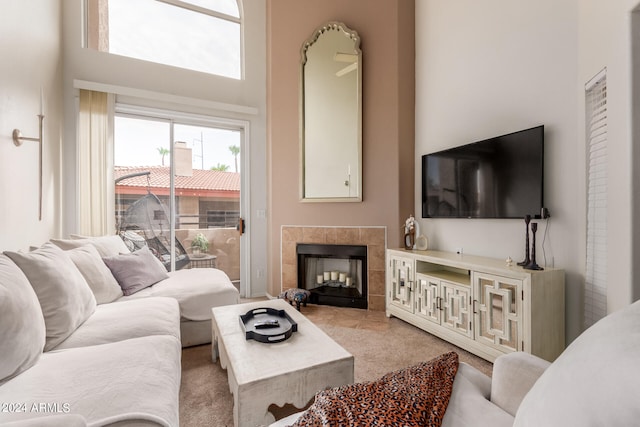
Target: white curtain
point(95, 164)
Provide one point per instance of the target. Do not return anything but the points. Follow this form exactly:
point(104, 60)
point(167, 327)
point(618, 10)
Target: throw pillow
point(106, 245)
point(22, 330)
point(136, 271)
point(415, 396)
point(102, 283)
point(65, 297)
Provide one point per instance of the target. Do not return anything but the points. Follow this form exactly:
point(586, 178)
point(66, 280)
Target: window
point(200, 35)
point(595, 298)
point(177, 176)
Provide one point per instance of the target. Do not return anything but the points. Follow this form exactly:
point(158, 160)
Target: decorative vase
point(409, 239)
point(422, 243)
point(410, 232)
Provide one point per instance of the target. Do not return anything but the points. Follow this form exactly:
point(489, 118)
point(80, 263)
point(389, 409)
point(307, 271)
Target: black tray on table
point(252, 320)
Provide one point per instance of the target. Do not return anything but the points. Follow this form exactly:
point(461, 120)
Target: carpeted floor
point(379, 345)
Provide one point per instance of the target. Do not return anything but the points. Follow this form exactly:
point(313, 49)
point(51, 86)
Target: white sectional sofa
point(196, 290)
point(75, 351)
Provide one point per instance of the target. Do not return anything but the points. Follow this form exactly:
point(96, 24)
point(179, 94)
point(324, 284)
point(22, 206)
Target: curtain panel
point(96, 198)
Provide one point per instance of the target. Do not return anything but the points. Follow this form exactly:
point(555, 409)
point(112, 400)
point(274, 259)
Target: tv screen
point(500, 177)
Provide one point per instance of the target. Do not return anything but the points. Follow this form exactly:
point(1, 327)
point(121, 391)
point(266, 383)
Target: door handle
point(241, 226)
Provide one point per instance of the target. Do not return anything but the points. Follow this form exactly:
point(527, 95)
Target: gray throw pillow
point(65, 297)
point(136, 271)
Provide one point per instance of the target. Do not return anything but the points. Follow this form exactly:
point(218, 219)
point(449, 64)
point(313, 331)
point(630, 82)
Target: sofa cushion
point(506, 392)
point(131, 380)
point(136, 270)
point(106, 245)
point(64, 295)
point(469, 404)
point(102, 283)
point(594, 382)
point(123, 320)
point(22, 330)
point(197, 290)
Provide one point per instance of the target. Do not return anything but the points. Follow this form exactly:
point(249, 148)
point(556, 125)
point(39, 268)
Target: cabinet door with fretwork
point(497, 310)
point(428, 301)
point(456, 312)
point(401, 282)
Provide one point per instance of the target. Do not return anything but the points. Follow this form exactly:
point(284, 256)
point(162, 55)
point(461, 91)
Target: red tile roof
point(202, 183)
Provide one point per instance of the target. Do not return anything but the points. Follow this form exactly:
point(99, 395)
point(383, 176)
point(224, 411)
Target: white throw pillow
point(65, 297)
point(102, 283)
point(594, 382)
point(106, 245)
point(22, 330)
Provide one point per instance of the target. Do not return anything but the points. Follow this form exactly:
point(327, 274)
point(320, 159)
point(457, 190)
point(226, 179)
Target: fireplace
point(334, 274)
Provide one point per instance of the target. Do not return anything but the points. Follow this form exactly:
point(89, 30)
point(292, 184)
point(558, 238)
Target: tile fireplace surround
point(375, 238)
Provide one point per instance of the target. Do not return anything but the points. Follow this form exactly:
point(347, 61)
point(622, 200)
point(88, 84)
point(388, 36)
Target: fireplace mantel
point(372, 237)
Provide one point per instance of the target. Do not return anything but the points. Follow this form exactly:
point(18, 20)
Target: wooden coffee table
point(288, 372)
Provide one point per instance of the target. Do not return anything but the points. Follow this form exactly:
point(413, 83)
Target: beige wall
point(386, 29)
point(30, 47)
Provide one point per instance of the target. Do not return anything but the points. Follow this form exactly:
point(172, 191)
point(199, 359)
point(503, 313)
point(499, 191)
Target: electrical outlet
point(260, 273)
point(459, 251)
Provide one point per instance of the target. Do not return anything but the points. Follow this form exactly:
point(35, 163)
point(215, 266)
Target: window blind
point(596, 141)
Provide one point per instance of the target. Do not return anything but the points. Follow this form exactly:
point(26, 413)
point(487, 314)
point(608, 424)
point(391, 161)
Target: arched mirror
point(331, 116)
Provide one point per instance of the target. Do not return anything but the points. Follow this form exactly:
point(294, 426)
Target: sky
point(176, 36)
point(137, 142)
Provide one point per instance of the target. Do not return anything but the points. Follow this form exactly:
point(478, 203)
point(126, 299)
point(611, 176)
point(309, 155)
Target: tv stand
point(480, 304)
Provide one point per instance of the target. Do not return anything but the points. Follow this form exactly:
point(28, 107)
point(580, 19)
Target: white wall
point(30, 50)
point(492, 67)
point(194, 88)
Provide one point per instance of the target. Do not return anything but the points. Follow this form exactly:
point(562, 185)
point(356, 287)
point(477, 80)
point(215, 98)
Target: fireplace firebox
point(334, 274)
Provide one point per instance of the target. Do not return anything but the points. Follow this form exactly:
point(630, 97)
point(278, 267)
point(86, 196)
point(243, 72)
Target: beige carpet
point(378, 344)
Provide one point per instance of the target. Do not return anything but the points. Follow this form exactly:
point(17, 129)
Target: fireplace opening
point(334, 274)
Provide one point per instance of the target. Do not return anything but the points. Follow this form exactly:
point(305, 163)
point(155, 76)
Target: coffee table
point(288, 372)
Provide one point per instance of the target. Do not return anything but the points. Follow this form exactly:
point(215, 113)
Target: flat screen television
point(499, 177)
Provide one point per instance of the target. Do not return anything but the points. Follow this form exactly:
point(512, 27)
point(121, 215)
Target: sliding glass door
point(178, 188)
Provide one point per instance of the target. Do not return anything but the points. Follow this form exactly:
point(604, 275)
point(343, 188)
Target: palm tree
point(219, 167)
point(163, 152)
point(235, 150)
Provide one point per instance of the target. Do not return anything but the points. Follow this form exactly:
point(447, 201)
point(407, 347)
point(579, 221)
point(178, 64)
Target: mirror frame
point(353, 35)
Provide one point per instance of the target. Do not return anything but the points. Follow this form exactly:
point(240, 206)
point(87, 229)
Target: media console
point(480, 304)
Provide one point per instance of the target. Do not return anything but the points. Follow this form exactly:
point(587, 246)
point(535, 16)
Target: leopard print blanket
point(415, 396)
